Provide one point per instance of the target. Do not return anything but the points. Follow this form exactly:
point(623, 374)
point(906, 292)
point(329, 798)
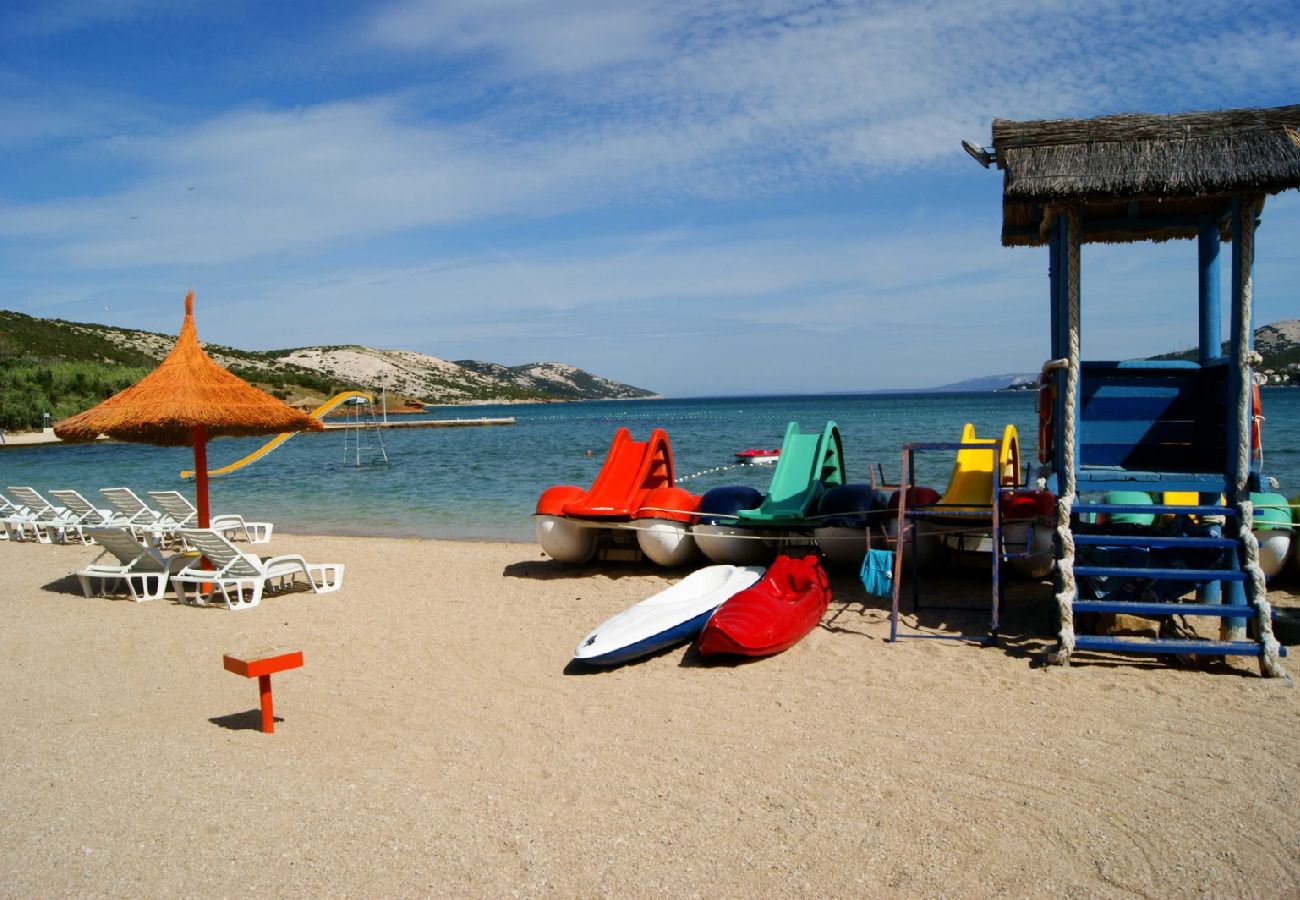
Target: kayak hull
point(670, 617)
point(771, 616)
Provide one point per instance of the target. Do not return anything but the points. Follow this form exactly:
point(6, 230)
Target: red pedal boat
point(774, 614)
point(756, 456)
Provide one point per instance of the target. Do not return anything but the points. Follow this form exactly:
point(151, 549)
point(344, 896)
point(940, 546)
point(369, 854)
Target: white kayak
point(670, 617)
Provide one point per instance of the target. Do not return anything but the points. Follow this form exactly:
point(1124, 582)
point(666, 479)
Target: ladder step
point(1134, 540)
point(1163, 574)
point(1159, 509)
point(1137, 608)
point(1167, 645)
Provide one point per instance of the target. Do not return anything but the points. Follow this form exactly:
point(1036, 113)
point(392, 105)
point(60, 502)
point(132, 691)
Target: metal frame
point(906, 530)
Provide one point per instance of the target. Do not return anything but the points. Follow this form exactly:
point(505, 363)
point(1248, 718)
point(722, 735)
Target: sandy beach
point(437, 742)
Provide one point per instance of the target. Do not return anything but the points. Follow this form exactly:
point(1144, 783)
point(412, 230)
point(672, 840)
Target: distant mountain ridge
point(558, 379)
point(38, 356)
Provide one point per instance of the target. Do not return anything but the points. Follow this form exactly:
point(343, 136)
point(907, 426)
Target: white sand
point(433, 743)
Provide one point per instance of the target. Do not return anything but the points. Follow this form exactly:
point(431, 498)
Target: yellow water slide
point(319, 412)
point(971, 485)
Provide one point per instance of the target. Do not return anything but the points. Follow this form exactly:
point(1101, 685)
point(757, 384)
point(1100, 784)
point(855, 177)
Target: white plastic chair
point(132, 508)
point(237, 573)
point(81, 509)
point(141, 567)
point(179, 513)
point(50, 523)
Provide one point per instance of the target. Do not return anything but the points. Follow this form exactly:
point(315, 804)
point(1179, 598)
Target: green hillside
point(61, 368)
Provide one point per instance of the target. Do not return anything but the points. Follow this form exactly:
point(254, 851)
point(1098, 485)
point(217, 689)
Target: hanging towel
point(878, 573)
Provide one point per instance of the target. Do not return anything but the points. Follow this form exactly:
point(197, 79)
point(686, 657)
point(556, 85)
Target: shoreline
point(437, 740)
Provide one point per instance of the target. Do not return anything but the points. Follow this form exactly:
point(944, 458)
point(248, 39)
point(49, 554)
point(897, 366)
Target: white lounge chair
point(81, 509)
point(142, 517)
point(50, 523)
point(131, 507)
point(234, 572)
point(141, 567)
point(179, 513)
point(16, 520)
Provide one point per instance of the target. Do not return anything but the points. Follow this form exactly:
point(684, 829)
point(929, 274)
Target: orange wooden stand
point(262, 665)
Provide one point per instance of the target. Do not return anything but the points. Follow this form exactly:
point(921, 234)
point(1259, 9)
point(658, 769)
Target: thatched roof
point(1142, 177)
point(187, 389)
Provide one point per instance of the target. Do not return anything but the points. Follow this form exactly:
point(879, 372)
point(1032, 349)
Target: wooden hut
point(1159, 427)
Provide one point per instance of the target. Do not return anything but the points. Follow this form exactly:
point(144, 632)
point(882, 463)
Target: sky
point(698, 197)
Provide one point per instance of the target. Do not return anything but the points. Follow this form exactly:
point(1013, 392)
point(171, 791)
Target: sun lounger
point(179, 513)
point(16, 520)
point(81, 509)
point(236, 573)
point(141, 567)
point(50, 523)
point(132, 508)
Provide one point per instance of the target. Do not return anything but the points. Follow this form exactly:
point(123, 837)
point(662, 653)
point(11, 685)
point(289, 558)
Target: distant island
point(59, 367)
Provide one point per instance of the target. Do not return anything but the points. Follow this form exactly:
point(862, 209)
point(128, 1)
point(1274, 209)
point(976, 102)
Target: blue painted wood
point(1166, 646)
point(1106, 480)
point(1158, 508)
point(1129, 433)
point(1210, 329)
point(1157, 609)
point(1173, 365)
point(1149, 540)
point(1163, 574)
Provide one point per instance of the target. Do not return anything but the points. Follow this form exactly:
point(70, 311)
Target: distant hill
point(1019, 381)
point(60, 367)
point(1278, 344)
point(557, 379)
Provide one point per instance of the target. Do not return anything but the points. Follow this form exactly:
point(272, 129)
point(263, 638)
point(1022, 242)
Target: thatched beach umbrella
point(185, 401)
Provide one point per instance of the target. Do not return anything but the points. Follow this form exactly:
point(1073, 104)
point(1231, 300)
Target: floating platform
point(423, 423)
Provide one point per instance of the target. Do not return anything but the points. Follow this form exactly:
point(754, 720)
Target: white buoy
point(1274, 547)
point(1031, 542)
point(728, 545)
point(666, 542)
point(842, 546)
point(565, 540)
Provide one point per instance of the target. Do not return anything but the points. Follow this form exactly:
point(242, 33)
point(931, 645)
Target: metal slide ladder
point(363, 444)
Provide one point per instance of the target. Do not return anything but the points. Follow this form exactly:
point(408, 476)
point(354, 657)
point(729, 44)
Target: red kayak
point(772, 615)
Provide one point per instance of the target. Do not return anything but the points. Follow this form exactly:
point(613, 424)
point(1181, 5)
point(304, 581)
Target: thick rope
point(1256, 591)
point(1069, 591)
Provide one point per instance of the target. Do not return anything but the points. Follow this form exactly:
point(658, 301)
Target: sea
point(481, 483)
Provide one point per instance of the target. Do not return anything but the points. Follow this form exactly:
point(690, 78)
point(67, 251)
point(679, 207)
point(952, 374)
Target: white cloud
point(559, 36)
point(346, 215)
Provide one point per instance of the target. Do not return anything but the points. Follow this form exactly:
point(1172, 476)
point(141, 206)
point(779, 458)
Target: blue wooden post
point(1060, 252)
point(1211, 347)
point(1211, 333)
point(1235, 629)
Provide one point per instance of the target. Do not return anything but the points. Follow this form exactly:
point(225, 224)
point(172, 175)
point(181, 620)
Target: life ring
point(1256, 423)
point(1046, 403)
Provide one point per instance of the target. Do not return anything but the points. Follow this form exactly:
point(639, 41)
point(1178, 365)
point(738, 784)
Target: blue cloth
point(878, 573)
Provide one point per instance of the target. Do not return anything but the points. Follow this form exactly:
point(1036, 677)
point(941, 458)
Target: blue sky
point(694, 196)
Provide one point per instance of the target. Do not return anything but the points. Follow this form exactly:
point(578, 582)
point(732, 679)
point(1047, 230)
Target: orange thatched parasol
point(186, 400)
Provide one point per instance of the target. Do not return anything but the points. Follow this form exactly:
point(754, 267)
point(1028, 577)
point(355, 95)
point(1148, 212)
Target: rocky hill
point(556, 379)
point(1278, 344)
point(50, 365)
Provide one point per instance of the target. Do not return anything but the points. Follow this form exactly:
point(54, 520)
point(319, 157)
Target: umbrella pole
point(201, 474)
point(200, 438)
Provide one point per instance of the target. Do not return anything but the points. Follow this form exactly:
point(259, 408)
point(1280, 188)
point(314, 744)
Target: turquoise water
point(482, 482)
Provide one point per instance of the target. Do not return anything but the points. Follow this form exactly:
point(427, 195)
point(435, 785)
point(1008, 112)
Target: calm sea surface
point(483, 482)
